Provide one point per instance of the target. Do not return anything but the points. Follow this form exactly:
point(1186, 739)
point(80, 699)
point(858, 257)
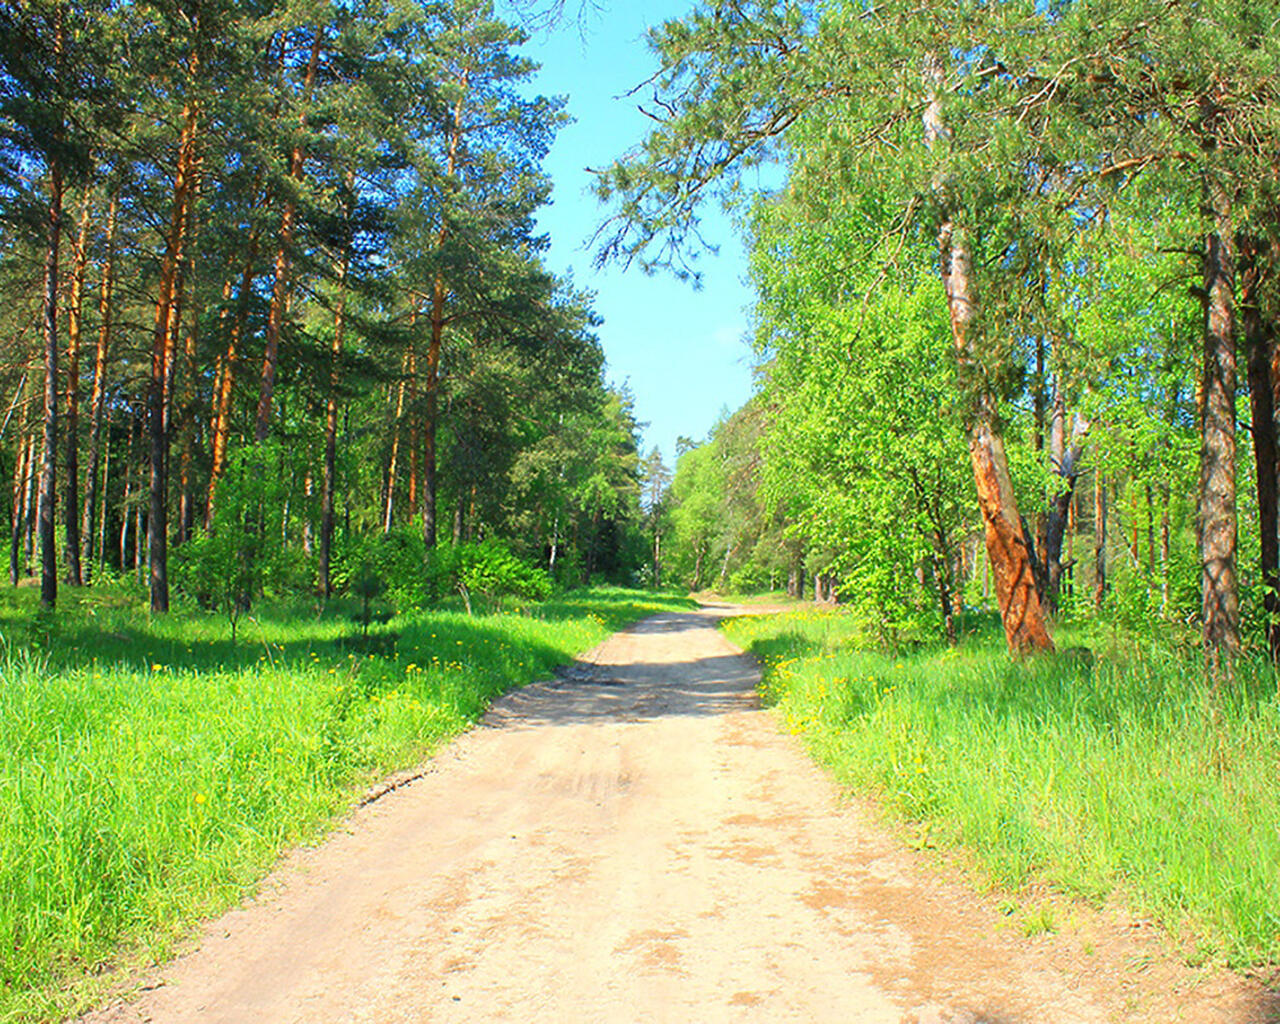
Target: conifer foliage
point(300, 226)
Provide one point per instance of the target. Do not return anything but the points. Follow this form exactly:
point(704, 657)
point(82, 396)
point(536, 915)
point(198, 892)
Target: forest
point(311, 456)
point(1042, 235)
point(277, 301)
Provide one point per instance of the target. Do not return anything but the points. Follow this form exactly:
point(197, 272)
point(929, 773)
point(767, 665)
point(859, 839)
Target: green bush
point(749, 579)
point(487, 568)
point(398, 559)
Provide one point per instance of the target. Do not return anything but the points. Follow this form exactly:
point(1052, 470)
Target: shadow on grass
point(111, 628)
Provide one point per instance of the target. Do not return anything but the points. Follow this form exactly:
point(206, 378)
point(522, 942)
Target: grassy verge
point(1127, 775)
point(150, 771)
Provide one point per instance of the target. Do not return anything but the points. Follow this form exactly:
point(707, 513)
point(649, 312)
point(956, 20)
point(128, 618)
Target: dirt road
point(639, 842)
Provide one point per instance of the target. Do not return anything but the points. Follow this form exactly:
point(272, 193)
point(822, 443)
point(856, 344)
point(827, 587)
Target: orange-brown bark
point(1016, 594)
point(75, 321)
point(280, 287)
point(162, 347)
point(97, 401)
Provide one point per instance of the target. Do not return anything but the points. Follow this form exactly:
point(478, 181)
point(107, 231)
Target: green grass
point(1130, 775)
point(150, 771)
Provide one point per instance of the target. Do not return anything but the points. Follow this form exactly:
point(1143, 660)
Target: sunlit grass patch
point(150, 770)
point(1128, 774)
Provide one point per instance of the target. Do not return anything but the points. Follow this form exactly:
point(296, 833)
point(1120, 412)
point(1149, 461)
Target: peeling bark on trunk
point(1007, 549)
point(1259, 343)
point(1219, 591)
point(97, 402)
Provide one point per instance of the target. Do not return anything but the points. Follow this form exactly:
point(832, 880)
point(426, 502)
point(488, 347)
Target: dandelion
point(157, 667)
point(199, 798)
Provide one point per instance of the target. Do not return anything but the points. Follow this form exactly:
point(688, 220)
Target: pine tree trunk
point(1259, 343)
point(162, 350)
point(430, 414)
point(97, 402)
point(30, 512)
point(125, 510)
point(432, 388)
point(280, 288)
point(106, 491)
point(21, 470)
point(1217, 496)
point(187, 428)
point(49, 458)
point(389, 508)
point(331, 431)
point(221, 429)
point(1016, 593)
point(75, 310)
point(414, 438)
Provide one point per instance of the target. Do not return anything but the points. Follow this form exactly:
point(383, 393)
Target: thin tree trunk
point(21, 470)
point(1073, 524)
point(30, 511)
point(106, 490)
point(49, 459)
point(1259, 342)
point(395, 449)
point(125, 510)
point(187, 421)
point(431, 413)
point(1099, 539)
point(279, 291)
point(331, 428)
point(1064, 462)
point(162, 348)
point(75, 320)
point(414, 438)
point(1217, 496)
point(1164, 550)
point(221, 429)
point(1019, 601)
point(97, 402)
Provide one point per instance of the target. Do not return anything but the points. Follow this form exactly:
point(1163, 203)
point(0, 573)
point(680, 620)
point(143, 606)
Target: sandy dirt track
point(638, 842)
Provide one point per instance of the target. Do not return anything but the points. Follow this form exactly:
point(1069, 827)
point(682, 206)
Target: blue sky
point(682, 352)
